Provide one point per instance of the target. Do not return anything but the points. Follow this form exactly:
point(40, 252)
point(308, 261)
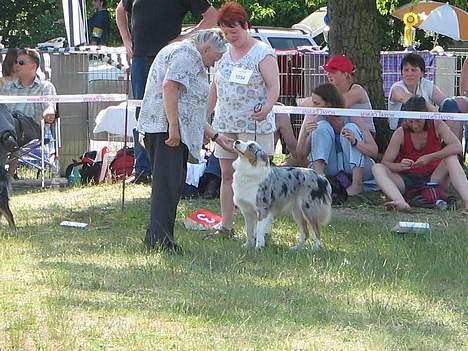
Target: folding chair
point(41, 154)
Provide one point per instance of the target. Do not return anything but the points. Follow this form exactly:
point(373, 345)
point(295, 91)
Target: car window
point(320, 40)
point(288, 43)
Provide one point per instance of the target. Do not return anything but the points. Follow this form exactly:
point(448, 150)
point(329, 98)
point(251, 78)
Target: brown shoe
point(223, 233)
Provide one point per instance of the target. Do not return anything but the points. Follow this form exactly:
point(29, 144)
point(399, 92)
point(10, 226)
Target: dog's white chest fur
point(245, 182)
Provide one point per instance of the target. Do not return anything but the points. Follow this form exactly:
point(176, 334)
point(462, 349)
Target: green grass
point(100, 289)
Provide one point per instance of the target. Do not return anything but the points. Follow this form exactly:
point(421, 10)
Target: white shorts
point(266, 141)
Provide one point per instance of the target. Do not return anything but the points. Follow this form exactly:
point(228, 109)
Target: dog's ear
point(261, 156)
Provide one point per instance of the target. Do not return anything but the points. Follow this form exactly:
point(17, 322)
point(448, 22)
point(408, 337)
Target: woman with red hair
point(242, 95)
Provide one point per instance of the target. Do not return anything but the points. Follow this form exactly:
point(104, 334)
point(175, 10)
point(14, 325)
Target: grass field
point(100, 289)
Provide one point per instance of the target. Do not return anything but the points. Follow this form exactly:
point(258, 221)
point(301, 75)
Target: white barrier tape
point(91, 49)
point(135, 103)
point(370, 113)
point(9, 99)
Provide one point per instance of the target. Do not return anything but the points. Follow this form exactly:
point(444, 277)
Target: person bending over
point(173, 118)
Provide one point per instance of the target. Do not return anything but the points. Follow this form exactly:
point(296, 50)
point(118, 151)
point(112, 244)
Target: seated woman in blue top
point(334, 143)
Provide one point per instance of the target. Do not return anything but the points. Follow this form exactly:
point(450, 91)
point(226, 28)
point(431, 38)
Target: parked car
point(283, 38)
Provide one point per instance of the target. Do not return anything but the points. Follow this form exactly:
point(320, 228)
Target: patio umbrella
point(447, 21)
point(437, 17)
point(74, 14)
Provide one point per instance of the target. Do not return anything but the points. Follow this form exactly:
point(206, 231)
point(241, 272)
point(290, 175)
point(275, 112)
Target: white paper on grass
point(73, 224)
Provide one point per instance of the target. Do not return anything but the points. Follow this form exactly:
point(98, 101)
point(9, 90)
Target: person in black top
point(154, 23)
point(98, 24)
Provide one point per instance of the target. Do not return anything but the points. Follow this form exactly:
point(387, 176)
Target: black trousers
point(169, 170)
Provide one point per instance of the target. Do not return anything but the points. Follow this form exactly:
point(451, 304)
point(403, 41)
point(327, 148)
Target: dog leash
point(257, 108)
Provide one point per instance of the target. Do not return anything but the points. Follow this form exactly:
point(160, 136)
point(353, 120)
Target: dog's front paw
point(260, 246)
point(248, 244)
point(297, 247)
point(316, 246)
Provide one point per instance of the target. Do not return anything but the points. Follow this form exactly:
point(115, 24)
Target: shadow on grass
point(363, 277)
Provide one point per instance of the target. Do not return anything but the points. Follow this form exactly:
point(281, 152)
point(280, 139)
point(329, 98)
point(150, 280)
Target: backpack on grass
point(89, 169)
point(122, 164)
point(426, 195)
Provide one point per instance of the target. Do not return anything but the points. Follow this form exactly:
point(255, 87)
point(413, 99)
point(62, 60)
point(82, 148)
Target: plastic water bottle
point(441, 204)
point(75, 177)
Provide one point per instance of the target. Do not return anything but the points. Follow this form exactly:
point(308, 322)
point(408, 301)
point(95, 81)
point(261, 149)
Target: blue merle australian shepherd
point(262, 192)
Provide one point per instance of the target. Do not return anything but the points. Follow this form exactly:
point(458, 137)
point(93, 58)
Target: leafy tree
point(358, 37)
point(24, 23)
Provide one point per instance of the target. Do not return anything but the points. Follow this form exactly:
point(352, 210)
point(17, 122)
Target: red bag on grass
point(426, 195)
point(122, 164)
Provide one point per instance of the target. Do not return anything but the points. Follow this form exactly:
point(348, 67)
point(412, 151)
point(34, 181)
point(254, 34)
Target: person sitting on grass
point(413, 83)
point(415, 156)
point(335, 143)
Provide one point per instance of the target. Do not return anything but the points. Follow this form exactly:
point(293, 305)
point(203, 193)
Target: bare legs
point(451, 167)
point(356, 185)
point(226, 193)
point(392, 185)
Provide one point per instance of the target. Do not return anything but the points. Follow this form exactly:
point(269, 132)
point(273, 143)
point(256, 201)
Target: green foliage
point(25, 23)
point(280, 13)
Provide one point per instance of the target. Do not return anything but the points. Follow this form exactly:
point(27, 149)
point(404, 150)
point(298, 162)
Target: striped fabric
point(74, 13)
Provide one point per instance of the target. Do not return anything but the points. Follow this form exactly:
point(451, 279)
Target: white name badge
point(240, 75)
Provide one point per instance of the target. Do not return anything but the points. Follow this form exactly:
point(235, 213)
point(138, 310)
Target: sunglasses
point(21, 62)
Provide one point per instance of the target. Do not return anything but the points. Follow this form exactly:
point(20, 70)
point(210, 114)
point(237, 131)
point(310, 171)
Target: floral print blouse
point(237, 98)
point(180, 62)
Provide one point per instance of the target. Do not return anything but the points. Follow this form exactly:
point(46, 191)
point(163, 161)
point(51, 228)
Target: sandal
point(221, 232)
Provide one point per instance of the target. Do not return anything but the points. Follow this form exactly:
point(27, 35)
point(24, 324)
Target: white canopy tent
point(74, 14)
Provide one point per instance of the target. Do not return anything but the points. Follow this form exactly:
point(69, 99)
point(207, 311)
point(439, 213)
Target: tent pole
point(124, 178)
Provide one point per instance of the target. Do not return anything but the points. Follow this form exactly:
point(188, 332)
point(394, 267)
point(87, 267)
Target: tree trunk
point(354, 31)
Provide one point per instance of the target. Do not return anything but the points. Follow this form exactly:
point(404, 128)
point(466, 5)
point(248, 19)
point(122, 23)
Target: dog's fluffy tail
point(326, 212)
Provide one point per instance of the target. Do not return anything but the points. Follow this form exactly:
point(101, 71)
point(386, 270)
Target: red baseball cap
point(339, 63)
